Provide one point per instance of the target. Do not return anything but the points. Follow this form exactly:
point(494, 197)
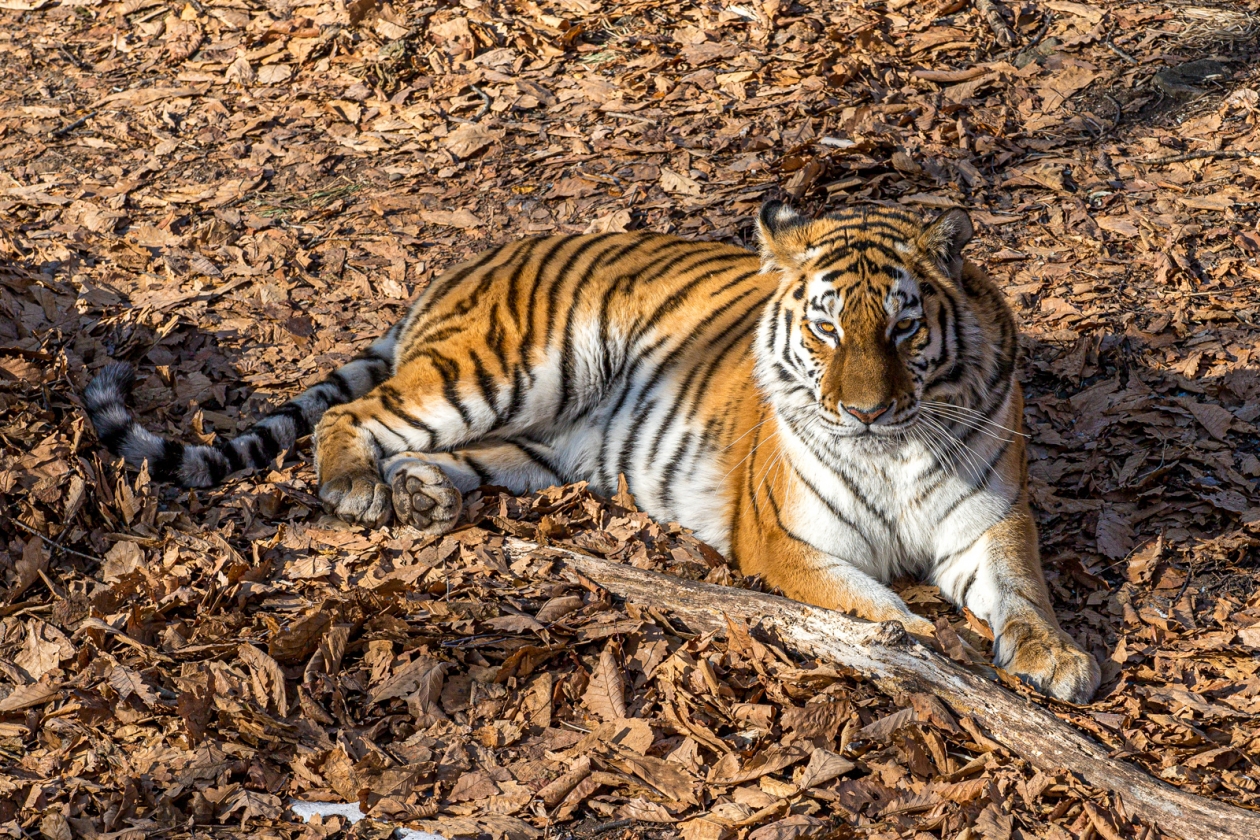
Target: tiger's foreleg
point(999, 578)
point(806, 573)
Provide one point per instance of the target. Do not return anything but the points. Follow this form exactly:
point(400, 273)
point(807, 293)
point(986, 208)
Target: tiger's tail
point(206, 466)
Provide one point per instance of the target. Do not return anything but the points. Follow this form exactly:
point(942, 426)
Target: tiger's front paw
point(425, 498)
point(1049, 660)
point(360, 498)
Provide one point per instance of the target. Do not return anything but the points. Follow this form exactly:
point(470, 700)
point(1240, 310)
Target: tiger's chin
point(876, 440)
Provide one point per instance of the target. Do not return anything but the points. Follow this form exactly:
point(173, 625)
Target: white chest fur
point(894, 509)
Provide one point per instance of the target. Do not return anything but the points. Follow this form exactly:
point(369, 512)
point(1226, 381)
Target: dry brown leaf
point(605, 695)
point(461, 218)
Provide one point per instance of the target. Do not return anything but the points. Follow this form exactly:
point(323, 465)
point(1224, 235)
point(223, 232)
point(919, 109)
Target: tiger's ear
point(944, 240)
point(776, 225)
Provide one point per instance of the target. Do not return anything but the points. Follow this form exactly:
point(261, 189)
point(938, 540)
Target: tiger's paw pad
point(425, 498)
point(360, 498)
point(1051, 662)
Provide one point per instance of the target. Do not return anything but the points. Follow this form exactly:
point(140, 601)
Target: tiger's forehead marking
point(888, 286)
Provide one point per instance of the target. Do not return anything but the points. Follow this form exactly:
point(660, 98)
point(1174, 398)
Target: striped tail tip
point(119, 432)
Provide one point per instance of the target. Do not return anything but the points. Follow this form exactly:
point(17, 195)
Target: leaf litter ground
point(237, 195)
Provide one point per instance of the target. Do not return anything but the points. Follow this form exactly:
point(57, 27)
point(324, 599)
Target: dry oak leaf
point(790, 828)
point(183, 37)
point(702, 829)
point(467, 140)
point(1250, 636)
point(631, 733)
point(673, 182)
point(253, 805)
point(424, 672)
point(34, 560)
point(729, 771)
point(1114, 534)
point(494, 826)
point(665, 776)
point(816, 720)
point(45, 648)
point(127, 683)
point(55, 826)
point(1213, 417)
point(642, 809)
point(558, 789)
point(274, 74)
point(240, 71)
point(124, 558)
point(606, 694)
point(472, 786)
point(28, 696)
point(1117, 224)
point(993, 824)
point(268, 679)
point(462, 219)
point(824, 765)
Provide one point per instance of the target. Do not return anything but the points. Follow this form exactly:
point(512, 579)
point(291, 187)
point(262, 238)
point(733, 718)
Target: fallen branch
point(886, 655)
point(1219, 153)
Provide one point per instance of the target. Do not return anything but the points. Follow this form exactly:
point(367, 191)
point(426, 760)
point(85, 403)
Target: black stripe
point(217, 465)
point(292, 410)
point(835, 511)
point(447, 283)
point(166, 466)
point(644, 410)
point(858, 250)
point(528, 447)
point(391, 401)
point(113, 438)
point(233, 457)
point(608, 260)
point(981, 482)
point(485, 383)
point(271, 447)
point(337, 379)
point(469, 461)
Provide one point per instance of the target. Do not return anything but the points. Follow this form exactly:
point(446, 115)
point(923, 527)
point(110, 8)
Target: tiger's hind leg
point(428, 488)
point(410, 414)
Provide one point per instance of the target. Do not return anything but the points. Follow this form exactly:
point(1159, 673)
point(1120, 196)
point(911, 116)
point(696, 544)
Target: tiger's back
point(597, 356)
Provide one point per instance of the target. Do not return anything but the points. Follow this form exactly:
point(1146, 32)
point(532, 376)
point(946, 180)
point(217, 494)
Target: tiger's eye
point(826, 327)
point(907, 325)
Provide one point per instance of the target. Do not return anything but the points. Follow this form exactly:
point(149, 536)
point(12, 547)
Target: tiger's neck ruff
point(833, 413)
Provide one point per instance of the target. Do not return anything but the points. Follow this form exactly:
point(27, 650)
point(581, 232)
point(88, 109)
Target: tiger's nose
point(868, 415)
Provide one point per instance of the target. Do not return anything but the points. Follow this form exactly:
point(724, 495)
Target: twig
point(1121, 52)
point(66, 129)
point(1119, 110)
point(610, 826)
point(611, 180)
point(1220, 153)
point(992, 11)
point(485, 103)
point(624, 116)
point(28, 529)
point(1047, 18)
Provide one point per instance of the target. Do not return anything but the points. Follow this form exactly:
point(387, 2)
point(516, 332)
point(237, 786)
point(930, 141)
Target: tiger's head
point(869, 314)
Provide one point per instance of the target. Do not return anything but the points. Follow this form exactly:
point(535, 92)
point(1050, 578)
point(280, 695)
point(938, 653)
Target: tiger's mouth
point(853, 429)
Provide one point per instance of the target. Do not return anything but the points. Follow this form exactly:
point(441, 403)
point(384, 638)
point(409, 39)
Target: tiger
point(836, 411)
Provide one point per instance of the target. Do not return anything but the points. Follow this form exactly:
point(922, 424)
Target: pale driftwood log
point(886, 655)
